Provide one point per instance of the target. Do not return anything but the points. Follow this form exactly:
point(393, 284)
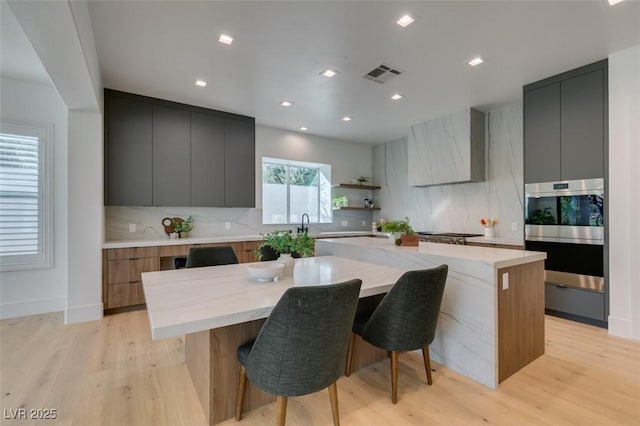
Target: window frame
point(44, 258)
point(323, 170)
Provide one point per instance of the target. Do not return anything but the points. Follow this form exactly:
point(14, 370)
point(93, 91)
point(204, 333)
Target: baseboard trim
point(75, 314)
point(31, 307)
point(620, 327)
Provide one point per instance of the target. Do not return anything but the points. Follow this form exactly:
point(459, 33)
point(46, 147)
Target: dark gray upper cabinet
point(239, 184)
point(128, 153)
point(207, 160)
point(582, 132)
point(565, 125)
point(171, 157)
point(542, 134)
point(162, 153)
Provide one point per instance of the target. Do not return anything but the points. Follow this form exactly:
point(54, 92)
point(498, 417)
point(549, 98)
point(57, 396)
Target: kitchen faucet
point(302, 228)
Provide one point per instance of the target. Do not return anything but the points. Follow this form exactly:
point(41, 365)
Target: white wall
point(85, 216)
point(44, 290)
point(624, 200)
point(459, 207)
point(348, 160)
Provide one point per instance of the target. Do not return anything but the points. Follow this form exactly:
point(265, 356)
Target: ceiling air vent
point(382, 73)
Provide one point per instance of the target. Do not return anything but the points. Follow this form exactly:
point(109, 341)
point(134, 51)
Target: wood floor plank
point(110, 372)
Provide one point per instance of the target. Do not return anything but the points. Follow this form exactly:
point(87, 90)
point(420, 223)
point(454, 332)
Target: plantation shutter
point(21, 194)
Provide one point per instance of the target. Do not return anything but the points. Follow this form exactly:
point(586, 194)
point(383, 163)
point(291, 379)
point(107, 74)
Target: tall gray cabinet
point(162, 153)
point(565, 128)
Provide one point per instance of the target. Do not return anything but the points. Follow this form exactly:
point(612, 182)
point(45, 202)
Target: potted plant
point(401, 231)
point(183, 228)
point(364, 179)
point(288, 246)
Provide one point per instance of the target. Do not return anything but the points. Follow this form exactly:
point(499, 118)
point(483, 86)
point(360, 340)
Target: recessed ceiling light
point(225, 39)
point(286, 103)
point(201, 83)
point(346, 118)
point(396, 97)
point(476, 61)
point(328, 72)
point(406, 20)
point(613, 2)
point(304, 129)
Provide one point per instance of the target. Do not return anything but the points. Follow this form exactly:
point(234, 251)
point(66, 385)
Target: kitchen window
point(25, 191)
point(292, 188)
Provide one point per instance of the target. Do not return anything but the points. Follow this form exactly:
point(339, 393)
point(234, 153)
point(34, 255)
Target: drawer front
point(125, 271)
point(124, 294)
point(131, 253)
point(575, 301)
point(166, 251)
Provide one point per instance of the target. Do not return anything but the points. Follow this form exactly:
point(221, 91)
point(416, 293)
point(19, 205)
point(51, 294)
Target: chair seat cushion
point(244, 351)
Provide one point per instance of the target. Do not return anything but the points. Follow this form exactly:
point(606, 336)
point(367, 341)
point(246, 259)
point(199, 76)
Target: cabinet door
point(128, 153)
point(240, 169)
point(171, 157)
point(542, 134)
point(207, 160)
point(582, 126)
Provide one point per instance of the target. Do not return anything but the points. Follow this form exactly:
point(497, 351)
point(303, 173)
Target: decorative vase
point(288, 262)
point(184, 235)
point(489, 232)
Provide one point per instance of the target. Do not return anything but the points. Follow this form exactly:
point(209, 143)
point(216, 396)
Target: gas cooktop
point(447, 234)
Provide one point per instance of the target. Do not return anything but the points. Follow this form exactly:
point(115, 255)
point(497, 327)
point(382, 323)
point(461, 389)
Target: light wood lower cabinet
point(122, 286)
point(122, 268)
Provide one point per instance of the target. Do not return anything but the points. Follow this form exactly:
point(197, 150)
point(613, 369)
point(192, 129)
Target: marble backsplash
point(459, 207)
point(211, 222)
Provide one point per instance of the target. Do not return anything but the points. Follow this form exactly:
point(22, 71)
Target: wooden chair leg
point(427, 363)
point(333, 396)
point(352, 343)
point(394, 377)
point(242, 383)
point(281, 409)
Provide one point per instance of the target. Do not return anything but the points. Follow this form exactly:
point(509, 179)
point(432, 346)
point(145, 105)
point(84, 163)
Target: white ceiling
point(18, 60)
point(159, 48)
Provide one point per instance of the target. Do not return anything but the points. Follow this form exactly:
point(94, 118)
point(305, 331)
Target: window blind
point(21, 234)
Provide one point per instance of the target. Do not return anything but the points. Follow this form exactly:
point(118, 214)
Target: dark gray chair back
point(210, 256)
point(302, 345)
point(406, 318)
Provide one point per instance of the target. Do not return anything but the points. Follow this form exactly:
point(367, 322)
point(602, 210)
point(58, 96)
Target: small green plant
point(340, 201)
point(398, 227)
point(185, 226)
point(364, 179)
point(284, 242)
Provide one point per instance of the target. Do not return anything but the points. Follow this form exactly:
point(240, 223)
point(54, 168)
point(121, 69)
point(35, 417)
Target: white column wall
point(85, 216)
point(624, 193)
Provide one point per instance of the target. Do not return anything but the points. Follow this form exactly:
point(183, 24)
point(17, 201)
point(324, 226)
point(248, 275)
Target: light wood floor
point(109, 372)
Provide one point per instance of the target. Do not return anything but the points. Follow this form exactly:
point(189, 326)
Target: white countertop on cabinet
point(214, 239)
point(507, 241)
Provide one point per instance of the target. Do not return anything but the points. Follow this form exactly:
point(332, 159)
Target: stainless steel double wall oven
point(566, 220)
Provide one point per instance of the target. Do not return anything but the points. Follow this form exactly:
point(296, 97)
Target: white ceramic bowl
point(265, 271)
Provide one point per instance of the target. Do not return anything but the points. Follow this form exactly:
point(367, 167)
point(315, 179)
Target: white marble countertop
point(496, 257)
point(190, 300)
point(215, 239)
point(509, 241)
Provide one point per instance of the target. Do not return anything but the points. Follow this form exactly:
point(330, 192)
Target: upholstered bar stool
point(301, 346)
point(210, 256)
point(405, 320)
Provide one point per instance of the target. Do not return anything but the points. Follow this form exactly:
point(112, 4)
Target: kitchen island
point(491, 322)
point(221, 307)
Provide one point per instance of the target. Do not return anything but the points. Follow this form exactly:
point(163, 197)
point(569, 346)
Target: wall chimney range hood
point(449, 149)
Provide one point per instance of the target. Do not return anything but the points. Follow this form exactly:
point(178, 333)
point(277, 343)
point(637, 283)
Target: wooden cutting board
point(169, 229)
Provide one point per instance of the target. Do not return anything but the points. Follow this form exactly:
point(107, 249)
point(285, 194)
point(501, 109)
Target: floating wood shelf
point(356, 208)
point(355, 186)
